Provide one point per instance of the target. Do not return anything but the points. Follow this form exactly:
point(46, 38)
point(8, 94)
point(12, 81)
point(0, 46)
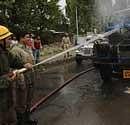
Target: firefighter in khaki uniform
point(19, 59)
point(66, 44)
point(7, 109)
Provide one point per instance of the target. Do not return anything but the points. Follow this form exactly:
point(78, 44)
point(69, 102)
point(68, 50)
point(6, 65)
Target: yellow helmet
point(4, 32)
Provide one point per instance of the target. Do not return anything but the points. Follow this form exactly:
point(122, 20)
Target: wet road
point(86, 101)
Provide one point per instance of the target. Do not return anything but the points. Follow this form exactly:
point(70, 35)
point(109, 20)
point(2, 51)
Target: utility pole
point(77, 25)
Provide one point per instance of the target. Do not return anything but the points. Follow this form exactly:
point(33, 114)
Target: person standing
point(13, 94)
point(26, 84)
point(7, 102)
point(66, 44)
point(21, 57)
point(38, 47)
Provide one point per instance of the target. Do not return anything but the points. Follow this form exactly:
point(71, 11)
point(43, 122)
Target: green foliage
point(43, 15)
point(30, 15)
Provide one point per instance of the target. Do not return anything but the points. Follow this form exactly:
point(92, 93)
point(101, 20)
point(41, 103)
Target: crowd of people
point(16, 89)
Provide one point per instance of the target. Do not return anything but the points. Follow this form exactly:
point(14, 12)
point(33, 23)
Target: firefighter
point(21, 58)
point(7, 109)
point(29, 78)
point(66, 44)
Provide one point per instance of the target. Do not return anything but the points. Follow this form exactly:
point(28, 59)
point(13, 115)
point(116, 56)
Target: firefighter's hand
point(28, 66)
point(12, 76)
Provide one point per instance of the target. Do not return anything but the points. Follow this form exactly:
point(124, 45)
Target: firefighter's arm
point(28, 66)
point(5, 80)
point(62, 44)
point(41, 45)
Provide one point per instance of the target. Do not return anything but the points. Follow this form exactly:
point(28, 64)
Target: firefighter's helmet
point(4, 32)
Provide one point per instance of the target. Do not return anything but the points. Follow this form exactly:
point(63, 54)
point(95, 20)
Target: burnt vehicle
point(113, 56)
point(85, 51)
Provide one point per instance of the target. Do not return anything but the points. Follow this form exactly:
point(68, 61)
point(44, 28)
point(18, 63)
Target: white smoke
point(109, 8)
point(113, 2)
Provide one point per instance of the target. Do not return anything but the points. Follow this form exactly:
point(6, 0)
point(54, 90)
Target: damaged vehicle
point(113, 56)
point(84, 51)
point(87, 51)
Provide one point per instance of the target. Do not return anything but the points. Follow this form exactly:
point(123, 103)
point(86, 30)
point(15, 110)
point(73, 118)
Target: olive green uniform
point(19, 58)
point(27, 51)
point(7, 112)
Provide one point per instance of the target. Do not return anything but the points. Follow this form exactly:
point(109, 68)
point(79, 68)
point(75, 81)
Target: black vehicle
point(113, 56)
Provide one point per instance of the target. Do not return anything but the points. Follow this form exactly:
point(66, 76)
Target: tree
point(30, 15)
point(86, 15)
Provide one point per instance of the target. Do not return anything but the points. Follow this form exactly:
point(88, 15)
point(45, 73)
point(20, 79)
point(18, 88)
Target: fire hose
point(42, 100)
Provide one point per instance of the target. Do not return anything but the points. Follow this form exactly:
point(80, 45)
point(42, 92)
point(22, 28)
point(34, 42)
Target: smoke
point(113, 2)
point(108, 7)
point(117, 9)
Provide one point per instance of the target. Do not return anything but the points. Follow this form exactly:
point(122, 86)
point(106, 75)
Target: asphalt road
point(86, 101)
